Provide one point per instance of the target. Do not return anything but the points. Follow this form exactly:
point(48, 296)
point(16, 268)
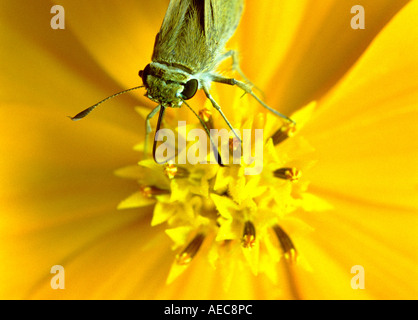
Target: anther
point(234, 145)
point(151, 191)
point(187, 255)
point(248, 236)
point(289, 249)
point(291, 174)
point(286, 131)
point(206, 115)
point(172, 171)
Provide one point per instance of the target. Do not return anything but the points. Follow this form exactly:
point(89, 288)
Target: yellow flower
point(205, 231)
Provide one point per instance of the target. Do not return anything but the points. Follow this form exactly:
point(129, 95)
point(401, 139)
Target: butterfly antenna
point(85, 112)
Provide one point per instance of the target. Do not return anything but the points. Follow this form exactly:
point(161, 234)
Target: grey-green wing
point(194, 32)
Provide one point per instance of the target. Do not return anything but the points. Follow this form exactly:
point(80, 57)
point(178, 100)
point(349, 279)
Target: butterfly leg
point(233, 54)
point(218, 107)
point(148, 128)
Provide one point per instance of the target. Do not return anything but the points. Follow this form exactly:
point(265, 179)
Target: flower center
point(221, 206)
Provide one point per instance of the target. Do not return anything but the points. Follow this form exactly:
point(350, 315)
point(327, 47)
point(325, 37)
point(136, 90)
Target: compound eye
point(144, 74)
point(190, 89)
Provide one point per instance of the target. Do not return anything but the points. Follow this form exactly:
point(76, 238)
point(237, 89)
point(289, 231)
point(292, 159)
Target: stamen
point(151, 191)
point(291, 174)
point(225, 243)
point(234, 144)
point(286, 131)
point(289, 249)
point(248, 237)
point(206, 115)
point(187, 255)
point(172, 171)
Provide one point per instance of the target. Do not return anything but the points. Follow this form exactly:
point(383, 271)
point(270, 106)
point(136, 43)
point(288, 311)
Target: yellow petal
point(136, 200)
point(162, 213)
point(179, 235)
point(252, 256)
point(127, 30)
point(382, 240)
point(365, 131)
point(224, 205)
point(324, 48)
